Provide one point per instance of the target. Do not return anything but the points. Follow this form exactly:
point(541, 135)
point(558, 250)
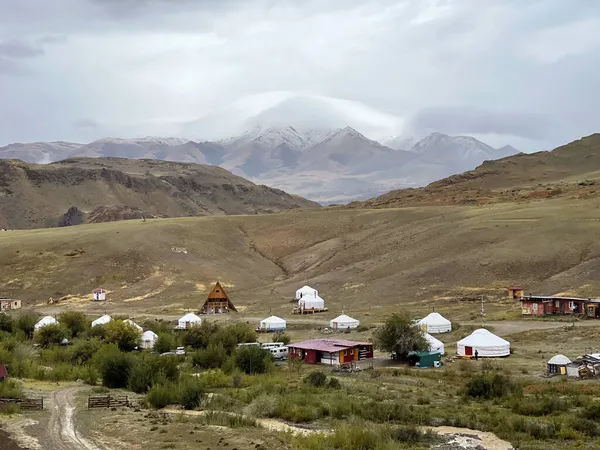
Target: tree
point(114, 366)
point(211, 357)
point(51, 335)
point(282, 337)
point(198, 336)
point(74, 321)
point(251, 359)
point(164, 343)
point(26, 323)
point(400, 336)
point(6, 322)
point(126, 337)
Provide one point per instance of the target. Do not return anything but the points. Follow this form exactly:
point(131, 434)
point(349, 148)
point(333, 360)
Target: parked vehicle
point(180, 351)
point(279, 352)
point(270, 345)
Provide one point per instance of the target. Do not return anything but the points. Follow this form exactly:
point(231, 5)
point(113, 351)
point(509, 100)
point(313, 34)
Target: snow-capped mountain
point(322, 164)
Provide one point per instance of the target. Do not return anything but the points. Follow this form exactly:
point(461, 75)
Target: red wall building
point(333, 352)
point(537, 305)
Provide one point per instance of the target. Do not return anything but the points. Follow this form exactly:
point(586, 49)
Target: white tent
point(343, 322)
point(187, 321)
point(133, 324)
point(485, 343)
point(273, 323)
point(435, 323)
point(149, 339)
point(306, 291)
point(48, 320)
point(102, 320)
point(558, 364)
point(435, 345)
point(308, 298)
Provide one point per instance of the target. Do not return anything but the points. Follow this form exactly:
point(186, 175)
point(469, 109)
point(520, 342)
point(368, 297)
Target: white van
point(249, 344)
point(270, 345)
point(279, 352)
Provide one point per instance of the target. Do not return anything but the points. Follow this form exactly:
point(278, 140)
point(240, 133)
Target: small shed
point(9, 304)
point(99, 294)
point(101, 320)
point(131, 323)
point(425, 359)
point(45, 321)
point(435, 323)
point(435, 345)
point(148, 339)
point(558, 364)
point(515, 292)
point(3, 372)
point(344, 322)
point(273, 323)
point(188, 321)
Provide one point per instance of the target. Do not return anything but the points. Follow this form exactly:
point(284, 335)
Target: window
point(571, 305)
point(352, 351)
point(535, 306)
point(345, 352)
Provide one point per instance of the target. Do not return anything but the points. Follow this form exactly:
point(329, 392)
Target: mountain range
point(324, 165)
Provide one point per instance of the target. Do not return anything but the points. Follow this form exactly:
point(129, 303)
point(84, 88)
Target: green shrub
point(282, 337)
point(10, 389)
point(538, 406)
point(251, 359)
point(26, 323)
point(6, 322)
point(114, 367)
point(76, 322)
point(316, 378)
point(164, 343)
point(489, 386)
point(334, 383)
point(190, 394)
point(124, 336)
point(265, 405)
point(161, 395)
point(83, 351)
point(211, 357)
point(51, 335)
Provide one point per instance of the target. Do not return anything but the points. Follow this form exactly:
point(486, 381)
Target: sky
point(507, 71)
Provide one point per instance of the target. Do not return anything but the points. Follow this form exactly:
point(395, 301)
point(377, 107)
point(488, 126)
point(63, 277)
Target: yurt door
point(468, 351)
point(563, 370)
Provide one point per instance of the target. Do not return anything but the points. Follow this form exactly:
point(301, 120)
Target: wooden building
point(515, 292)
point(9, 304)
point(540, 305)
point(217, 302)
point(333, 352)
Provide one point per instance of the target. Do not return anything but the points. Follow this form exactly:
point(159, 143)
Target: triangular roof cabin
point(217, 302)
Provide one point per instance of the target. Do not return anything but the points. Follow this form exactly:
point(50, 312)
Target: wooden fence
point(108, 401)
point(26, 404)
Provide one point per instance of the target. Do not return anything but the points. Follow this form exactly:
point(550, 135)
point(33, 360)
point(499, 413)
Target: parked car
point(180, 351)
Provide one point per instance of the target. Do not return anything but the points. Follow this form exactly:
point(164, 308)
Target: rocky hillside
point(571, 171)
point(86, 190)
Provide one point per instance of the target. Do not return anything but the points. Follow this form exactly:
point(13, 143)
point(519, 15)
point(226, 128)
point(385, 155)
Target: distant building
point(217, 302)
point(332, 352)
point(3, 372)
point(309, 301)
point(99, 295)
point(45, 321)
point(515, 292)
point(9, 304)
point(187, 321)
point(540, 305)
point(148, 339)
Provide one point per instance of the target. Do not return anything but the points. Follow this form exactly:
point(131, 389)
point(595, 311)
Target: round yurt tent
point(44, 321)
point(149, 339)
point(187, 321)
point(343, 322)
point(435, 345)
point(306, 291)
point(131, 323)
point(486, 344)
point(102, 320)
point(273, 323)
point(435, 323)
point(558, 364)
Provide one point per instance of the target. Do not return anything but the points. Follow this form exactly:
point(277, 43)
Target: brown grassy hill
point(568, 171)
point(107, 189)
point(371, 262)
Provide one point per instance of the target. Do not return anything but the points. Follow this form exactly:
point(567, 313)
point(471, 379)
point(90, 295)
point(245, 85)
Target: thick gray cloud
point(515, 72)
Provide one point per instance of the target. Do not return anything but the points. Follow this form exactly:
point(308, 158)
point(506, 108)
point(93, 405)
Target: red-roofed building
point(3, 372)
point(333, 352)
point(515, 292)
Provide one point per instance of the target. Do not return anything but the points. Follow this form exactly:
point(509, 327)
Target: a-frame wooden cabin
point(217, 302)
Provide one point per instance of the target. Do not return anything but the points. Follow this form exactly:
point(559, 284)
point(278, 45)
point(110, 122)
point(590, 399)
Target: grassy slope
point(368, 261)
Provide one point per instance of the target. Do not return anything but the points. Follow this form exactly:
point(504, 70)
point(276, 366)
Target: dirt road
point(508, 327)
point(61, 432)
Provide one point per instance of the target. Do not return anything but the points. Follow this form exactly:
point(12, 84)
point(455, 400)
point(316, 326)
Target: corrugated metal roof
point(552, 297)
point(327, 345)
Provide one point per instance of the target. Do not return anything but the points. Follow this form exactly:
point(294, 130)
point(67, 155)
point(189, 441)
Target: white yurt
point(102, 320)
point(187, 321)
point(308, 298)
point(435, 345)
point(486, 344)
point(273, 323)
point(435, 323)
point(149, 339)
point(48, 320)
point(131, 323)
point(558, 364)
point(343, 322)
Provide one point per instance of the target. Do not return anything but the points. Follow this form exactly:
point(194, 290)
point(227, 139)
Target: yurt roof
point(133, 324)
point(433, 341)
point(149, 334)
point(46, 320)
point(307, 290)
point(344, 318)
point(435, 319)
point(483, 337)
point(273, 319)
point(190, 317)
point(104, 319)
point(560, 360)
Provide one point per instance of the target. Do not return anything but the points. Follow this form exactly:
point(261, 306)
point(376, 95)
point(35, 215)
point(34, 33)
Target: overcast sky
point(510, 71)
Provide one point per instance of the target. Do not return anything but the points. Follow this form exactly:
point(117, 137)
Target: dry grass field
point(369, 262)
